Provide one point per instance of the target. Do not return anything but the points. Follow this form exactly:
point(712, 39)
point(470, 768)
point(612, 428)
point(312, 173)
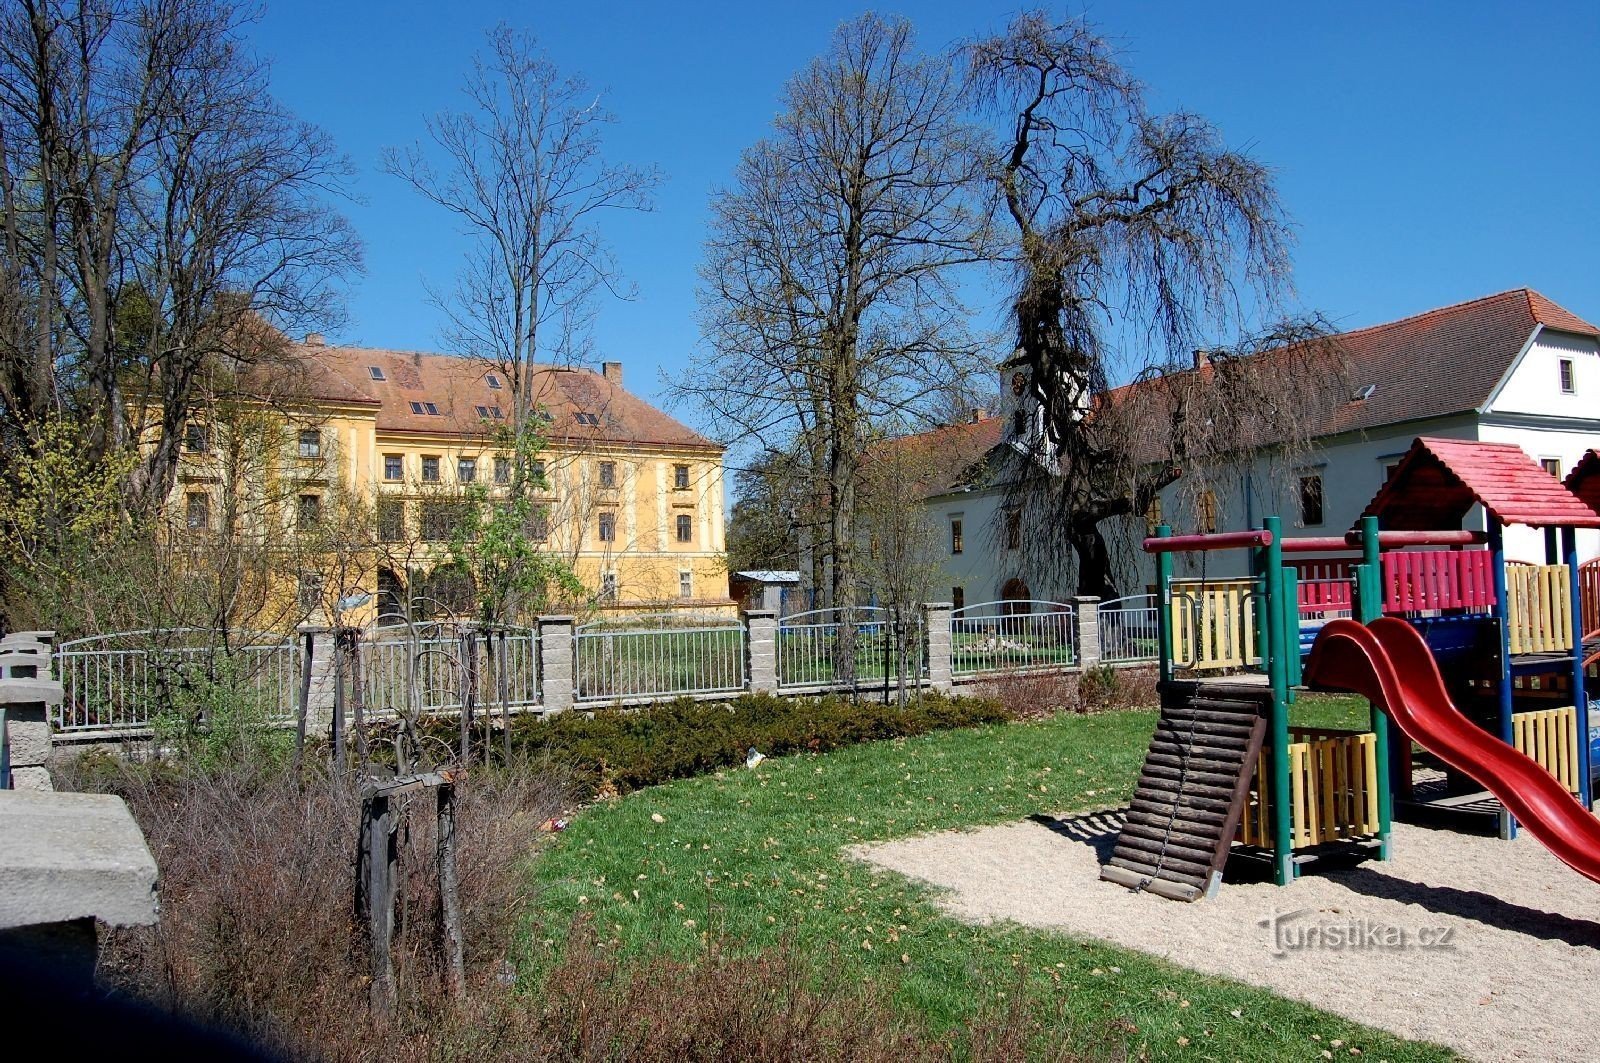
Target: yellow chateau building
point(634, 501)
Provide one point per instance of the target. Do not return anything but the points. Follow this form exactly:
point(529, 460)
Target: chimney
point(612, 372)
point(1202, 357)
point(316, 339)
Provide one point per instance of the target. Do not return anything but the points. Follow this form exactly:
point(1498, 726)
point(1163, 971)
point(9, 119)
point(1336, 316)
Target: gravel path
point(1502, 942)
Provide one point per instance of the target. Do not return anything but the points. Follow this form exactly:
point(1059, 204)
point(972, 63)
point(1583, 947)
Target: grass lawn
point(756, 857)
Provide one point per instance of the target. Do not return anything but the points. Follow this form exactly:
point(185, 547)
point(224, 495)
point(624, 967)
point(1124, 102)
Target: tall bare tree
point(1121, 219)
point(523, 169)
point(828, 296)
point(156, 205)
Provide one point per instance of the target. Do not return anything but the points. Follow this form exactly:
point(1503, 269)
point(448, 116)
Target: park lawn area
point(755, 858)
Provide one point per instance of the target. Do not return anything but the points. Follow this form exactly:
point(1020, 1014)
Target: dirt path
point(1501, 948)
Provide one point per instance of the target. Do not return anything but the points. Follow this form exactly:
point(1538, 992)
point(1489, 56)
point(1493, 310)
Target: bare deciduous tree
point(523, 170)
point(1121, 218)
point(828, 292)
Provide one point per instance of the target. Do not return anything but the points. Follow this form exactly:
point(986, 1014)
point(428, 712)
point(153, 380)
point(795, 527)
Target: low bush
point(628, 749)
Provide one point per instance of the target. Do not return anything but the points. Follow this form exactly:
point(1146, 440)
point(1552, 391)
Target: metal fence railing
point(428, 666)
point(1012, 635)
point(1130, 629)
point(849, 647)
point(131, 679)
point(658, 656)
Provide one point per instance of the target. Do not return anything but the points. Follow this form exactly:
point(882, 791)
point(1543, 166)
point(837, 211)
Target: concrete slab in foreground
point(66, 857)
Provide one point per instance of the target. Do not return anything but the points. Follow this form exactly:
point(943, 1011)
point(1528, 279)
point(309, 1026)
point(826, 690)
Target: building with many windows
point(633, 499)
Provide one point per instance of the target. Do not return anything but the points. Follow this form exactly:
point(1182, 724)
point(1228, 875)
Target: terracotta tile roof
point(584, 406)
point(952, 451)
point(1438, 481)
point(1435, 364)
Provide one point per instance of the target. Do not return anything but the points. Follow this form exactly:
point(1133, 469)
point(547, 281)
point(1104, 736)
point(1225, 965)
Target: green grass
point(756, 857)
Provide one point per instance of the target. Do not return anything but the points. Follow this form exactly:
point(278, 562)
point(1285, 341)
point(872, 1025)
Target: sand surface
point(1501, 950)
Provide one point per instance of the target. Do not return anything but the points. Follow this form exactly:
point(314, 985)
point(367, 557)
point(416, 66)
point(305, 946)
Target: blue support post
point(1497, 550)
point(1580, 697)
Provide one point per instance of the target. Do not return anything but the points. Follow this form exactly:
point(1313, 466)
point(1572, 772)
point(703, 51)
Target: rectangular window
point(433, 411)
point(310, 590)
point(417, 408)
point(1311, 499)
point(440, 520)
point(608, 474)
point(610, 586)
point(466, 470)
point(958, 597)
point(310, 443)
point(1551, 466)
point(391, 520)
point(430, 470)
point(587, 418)
point(1152, 516)
point(539, 525)
point(1568, 384)
point(685, 583)
point(538, 474)
point(956, 544)
point(376, 373)
point(197, 511)
point(685, 528)
point(608, 527)
point(1014, 529)
point(1208, 512)
point(502, 470)
point(196, 438)
point(394, 466)
point(483, 413)
point(680, 477)
point(494, 382)
point(308, 514)
point(495, 412)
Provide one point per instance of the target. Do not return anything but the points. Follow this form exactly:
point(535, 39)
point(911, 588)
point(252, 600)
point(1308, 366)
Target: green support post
point(1497, 548)
point(1164, 604)
point(1369, 606)
point(1277, 676)
point(1291, 629)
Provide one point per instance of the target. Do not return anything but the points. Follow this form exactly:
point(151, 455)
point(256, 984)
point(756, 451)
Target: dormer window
point(493, 381)
point(376, 373)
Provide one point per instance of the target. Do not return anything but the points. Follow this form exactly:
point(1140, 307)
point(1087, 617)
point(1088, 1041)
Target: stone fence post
point(936, 622)
point(761, 651)
point(28, 698)
point(1088, 607)
point(319, 642)
point(557, 683)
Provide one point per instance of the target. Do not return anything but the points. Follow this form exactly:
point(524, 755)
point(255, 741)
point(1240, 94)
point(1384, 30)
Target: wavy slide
point(1389, 663)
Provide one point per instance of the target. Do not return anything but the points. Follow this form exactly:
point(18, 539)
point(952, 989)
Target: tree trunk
point(1094, 562)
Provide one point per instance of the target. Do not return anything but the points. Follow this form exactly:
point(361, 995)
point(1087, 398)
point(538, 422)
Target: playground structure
point(1508, 643)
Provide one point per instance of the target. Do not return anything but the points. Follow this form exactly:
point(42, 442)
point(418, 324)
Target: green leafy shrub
point(628, 749)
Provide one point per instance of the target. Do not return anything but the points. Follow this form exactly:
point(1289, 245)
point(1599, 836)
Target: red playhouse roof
point(1584, 479)
point(1439, 479)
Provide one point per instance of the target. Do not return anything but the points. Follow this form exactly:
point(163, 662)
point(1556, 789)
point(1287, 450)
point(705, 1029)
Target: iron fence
point(1130, 629)
point(1012, 635)
point(849, 647)
point(658, 656)
point(130, 679)
point(426, 666)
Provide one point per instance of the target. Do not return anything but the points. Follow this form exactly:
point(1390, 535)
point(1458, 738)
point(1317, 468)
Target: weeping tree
point(828, 297)
point(1134, 239)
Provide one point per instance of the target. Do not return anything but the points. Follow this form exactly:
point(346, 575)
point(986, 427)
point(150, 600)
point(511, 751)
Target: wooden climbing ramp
point(1192, 789)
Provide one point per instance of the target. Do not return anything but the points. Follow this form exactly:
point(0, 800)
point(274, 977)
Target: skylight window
point(376, 372)
point(416, 407)
point(494, 411)
point(1363, 392)
point(494, 382)
point(483, 412)
point(424, 408)
point(586, 418)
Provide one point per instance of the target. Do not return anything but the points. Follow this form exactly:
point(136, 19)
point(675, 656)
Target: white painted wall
point(1534, 384)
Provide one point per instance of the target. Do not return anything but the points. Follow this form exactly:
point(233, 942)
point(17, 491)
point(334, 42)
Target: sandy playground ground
point(1490, 947)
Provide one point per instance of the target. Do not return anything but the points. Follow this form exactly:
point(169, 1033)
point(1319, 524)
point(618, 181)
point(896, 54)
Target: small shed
point(1439, 480)
point(774, 589)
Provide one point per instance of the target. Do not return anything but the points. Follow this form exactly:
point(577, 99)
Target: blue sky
point(1427, 153)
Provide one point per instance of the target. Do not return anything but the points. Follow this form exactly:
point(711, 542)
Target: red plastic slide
point(1389, 663)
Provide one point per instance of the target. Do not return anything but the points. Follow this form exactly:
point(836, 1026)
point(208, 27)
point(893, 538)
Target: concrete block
point(73, 856)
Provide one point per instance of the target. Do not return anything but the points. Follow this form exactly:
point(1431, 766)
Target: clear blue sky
point(1429, 153)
